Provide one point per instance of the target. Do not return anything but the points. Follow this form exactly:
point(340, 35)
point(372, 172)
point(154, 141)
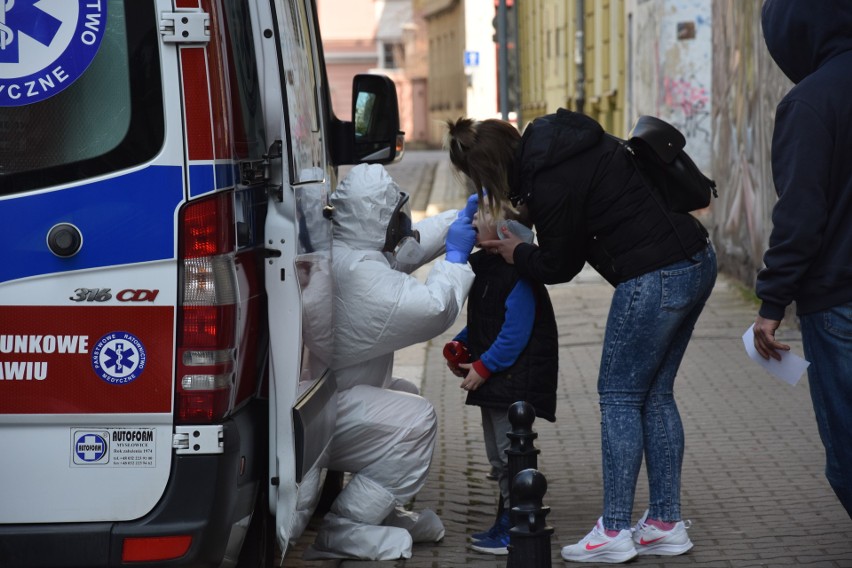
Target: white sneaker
point(649, 539)
point(598, 547)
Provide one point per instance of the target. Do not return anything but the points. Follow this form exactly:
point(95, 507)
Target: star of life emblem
point(46, 45)
point(119, 358)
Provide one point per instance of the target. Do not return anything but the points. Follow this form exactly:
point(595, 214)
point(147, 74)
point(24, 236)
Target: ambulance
point(165, 294)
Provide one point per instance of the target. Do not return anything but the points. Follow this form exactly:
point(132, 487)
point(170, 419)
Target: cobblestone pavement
point(753, 483)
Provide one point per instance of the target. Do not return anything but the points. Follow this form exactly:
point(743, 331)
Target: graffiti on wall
point(672, 75)
point(689, 102)
point(747, 86)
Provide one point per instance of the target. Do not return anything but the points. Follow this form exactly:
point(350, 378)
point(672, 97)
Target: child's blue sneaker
point(497, 544)
point(502, 524)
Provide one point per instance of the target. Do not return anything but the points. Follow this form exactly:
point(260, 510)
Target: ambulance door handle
point(274, 154)
point(271, 252)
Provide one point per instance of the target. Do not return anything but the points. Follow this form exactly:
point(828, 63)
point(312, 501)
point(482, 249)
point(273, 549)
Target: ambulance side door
point(298, 270)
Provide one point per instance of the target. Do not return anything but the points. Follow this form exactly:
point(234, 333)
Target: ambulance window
point(110, 117)
point(299, 75)
point(250, 140)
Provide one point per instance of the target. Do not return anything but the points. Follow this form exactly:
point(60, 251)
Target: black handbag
point(657, 149)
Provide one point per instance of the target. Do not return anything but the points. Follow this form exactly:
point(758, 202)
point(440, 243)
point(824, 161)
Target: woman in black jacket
point(589, 204)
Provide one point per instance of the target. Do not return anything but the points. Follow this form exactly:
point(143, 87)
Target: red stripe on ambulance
point(196, 101)
point(48, 366)
point(218, 91)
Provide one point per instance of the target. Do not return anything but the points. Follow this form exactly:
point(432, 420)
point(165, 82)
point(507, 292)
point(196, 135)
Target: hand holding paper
point(789, 369)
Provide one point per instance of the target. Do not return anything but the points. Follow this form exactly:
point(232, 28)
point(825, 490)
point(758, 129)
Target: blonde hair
point(484, 151)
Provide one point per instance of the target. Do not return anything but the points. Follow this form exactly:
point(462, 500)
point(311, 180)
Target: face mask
point(521, 231)
point(400, 226)
point(409, 251)
point(402, 240)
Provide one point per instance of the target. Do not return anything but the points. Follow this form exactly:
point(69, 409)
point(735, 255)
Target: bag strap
point(631, 154)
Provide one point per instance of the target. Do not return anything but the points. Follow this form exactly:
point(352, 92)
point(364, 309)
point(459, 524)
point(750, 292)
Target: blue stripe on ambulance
point(124, 220)
point(206, 177)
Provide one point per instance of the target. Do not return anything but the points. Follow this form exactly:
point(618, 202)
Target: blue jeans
point(648, 328)
point(827, 339)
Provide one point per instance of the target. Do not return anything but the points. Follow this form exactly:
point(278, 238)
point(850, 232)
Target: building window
point(393, 55)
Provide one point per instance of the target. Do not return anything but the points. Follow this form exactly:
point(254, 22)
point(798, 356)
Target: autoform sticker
point(46, 45)
point(114, 447)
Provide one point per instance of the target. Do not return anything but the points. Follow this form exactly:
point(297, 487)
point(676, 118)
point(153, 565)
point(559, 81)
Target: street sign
point(471, 59)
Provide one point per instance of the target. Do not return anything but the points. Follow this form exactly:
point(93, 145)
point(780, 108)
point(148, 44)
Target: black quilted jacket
point(589, 204)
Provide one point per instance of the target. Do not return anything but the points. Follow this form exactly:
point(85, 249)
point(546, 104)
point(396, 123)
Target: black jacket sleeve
point(560, 231)
point(801, 167)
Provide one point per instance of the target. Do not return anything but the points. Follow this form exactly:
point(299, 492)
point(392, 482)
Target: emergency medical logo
point(118, 358)
point(90, 447)
point(46, 45)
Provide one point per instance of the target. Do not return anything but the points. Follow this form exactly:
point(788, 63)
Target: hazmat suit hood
point(364, 203)
point(802, 36)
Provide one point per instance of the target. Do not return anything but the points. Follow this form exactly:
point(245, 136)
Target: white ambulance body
point(165, 168)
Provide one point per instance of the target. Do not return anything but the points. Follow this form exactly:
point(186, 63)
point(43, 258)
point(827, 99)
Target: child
point(511, 338)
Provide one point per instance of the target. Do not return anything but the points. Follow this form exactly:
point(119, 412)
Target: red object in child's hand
point(455, 352)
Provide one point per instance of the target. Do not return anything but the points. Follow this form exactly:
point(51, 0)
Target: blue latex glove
point(461, 237)
point(471, 207)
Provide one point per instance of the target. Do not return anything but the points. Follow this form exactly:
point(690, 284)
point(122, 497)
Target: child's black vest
point(533, 377)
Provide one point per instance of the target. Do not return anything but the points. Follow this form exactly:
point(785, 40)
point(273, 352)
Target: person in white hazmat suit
point(385, 431)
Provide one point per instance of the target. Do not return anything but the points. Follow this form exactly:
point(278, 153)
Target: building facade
point(462, 61)
point(747, 86)
point(572, 55)
point(669, 68)
point(700, 65)
point(377, 36)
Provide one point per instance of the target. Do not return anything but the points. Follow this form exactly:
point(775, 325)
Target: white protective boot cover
point(352, 529)
point(340, 537)
point(424, 526)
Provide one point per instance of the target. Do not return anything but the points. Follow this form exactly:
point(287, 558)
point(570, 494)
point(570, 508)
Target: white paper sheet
point(789, 369)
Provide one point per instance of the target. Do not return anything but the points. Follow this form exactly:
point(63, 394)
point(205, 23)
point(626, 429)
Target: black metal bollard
point(529, 537)
point(522, 452)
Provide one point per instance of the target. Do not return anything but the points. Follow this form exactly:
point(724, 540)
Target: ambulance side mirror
point(373, 136)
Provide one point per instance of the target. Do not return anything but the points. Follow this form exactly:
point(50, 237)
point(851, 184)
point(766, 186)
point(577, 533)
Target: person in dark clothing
point(588, 203)
point(809, 259)
point(513, 345)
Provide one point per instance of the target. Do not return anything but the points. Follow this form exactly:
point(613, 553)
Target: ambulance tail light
point(207, 320)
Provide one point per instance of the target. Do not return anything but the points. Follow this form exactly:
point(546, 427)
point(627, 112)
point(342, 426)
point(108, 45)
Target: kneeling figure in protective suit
point(385, 431)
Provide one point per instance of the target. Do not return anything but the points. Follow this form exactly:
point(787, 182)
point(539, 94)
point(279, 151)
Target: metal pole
point(517, 62)
point(579, 56)
point(503, 58)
